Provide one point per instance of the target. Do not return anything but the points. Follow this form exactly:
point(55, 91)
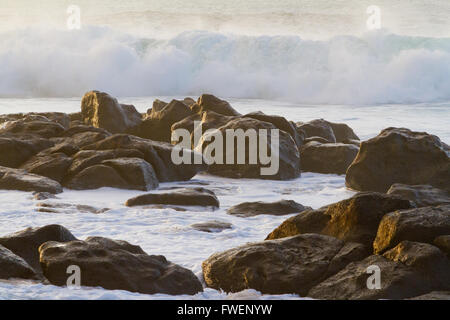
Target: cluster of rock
point(326, 253)
point(45, 254)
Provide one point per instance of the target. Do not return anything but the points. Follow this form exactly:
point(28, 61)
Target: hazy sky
point(308, 18)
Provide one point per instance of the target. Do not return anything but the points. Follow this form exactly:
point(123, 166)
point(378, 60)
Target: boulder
point(285, 166)
point(327, 157)
point(157, 126)
point(212, 226)
point(408, 270)
point(443, 243)
point(116, 265)
point(317, 128)
point(122, 173)
point(422, 225)
point(208, 102)
point(343, 132)
point(182, 197)
point(14, 151)
point(25, 243)
point(421, 195)
point(16, 179)
point(158, 154)
point(353, 220)
point(399, 155)
point(36, 126)
point(53, 166)
point(279, 208)
point(290, 265)
point(315, 139)
point(13, 266)
point(100, 110)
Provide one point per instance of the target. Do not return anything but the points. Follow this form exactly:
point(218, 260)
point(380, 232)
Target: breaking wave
point(376, 68)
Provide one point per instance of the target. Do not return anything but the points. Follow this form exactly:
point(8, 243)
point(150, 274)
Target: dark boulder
point(37, 126)
point(116, 265)
point(25, 243)
point(283, 166)
point(14, 151)
point(282, 207)
point(123, 173)
point(16, 179)
point(422, 225)
point(317, 128)
point(399, 155)
point(443, 243)
point(183, 197)
point(13, 266)
point(327, 157)
point(408, 270)
point(290, 265)
point(53, 166)
point(421, 195)
point(157, 125)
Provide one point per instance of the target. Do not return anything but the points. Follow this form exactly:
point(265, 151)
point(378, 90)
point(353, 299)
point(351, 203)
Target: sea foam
point(375, 68)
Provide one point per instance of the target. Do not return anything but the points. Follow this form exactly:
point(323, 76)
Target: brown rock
point(399, 155)
point(327, 157)
point(16, 179)
point(13, 266)
point(421, 195)
point(290, 265)
point(282, 207)
point(422, 225)
point(181, 197)
point(116, 265)
point(209, 102)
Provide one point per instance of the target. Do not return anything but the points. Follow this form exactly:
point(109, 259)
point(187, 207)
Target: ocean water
point(300, 59)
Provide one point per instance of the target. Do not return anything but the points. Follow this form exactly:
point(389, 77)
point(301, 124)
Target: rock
point(103, 111)
point(25, 243)
point(290, 265)
point(343, 132)
point(182, 197)
point(212, 226)
point(157, 126)
point(327, 157)
point(288, 159)
point(158, 154)
point(399, 155)
point(53, 166)
point(58, 117)
point(280, 123)
point(122, 173)
point(43, 196)
point(443, 243)
point(353, 220)
point(15, 179)
point(16, 151)
point(282, 207)
point(422, 225)
point(13, 266)
point(39, 128)
point(408, 270)
point(421, 195)
point(65, 148)
point(309, 221)
point(116, 265)
point(209, 102)
point(52, 207)
point(435, 295)
point(317, 128)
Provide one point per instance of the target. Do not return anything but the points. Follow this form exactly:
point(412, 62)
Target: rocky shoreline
point(399, 221)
